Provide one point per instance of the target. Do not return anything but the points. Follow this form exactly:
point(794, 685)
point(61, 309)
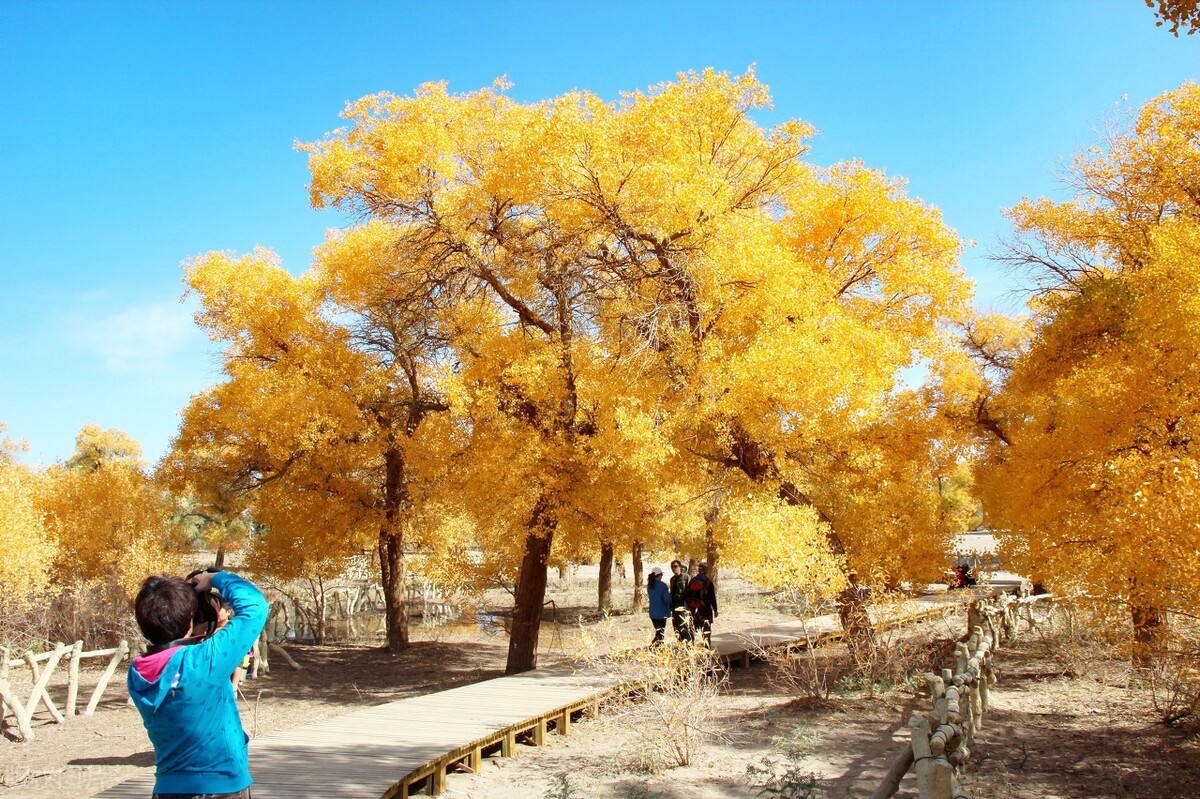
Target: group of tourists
point(689, 601)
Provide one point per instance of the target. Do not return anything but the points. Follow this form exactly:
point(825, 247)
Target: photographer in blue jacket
point(181, 685)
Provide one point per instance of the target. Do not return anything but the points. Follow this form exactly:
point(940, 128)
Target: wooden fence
point(942, 739)
point(42, 669)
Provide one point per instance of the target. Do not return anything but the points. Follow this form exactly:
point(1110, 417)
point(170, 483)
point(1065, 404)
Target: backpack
point(695, 593)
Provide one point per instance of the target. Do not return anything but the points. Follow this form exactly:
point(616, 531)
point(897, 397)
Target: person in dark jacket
point(182, 688)
point(660, 604)
point(702, 602)
point(681, 618)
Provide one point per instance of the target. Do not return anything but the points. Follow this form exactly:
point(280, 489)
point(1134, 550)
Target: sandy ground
point(1049, 735)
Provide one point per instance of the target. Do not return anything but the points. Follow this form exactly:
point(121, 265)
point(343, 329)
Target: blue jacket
point(187, 702)
point(660, 600)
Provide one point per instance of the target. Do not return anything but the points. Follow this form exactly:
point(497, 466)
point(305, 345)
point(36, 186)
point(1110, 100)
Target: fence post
point(73, 678)
point(7, 697)
point(118, 655)
point(922, 755)
point(39, 688)
point(940, 776)
point(937, 687)
point(960, 658)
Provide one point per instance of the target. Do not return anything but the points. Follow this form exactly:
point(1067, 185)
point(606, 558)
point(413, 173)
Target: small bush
point(1174, 676)
point(783, 778)
point(667, 693)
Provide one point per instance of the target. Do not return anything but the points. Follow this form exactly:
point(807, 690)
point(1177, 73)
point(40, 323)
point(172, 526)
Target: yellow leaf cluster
point(1098, 486)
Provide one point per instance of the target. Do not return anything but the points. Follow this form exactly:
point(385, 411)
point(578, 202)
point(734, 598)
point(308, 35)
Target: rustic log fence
point(942, 740)
point(42, 669)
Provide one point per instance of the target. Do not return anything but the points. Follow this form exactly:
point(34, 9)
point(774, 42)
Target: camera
point(208, 603)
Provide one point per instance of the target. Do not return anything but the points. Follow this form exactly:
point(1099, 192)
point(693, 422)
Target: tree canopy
point(1094, 469)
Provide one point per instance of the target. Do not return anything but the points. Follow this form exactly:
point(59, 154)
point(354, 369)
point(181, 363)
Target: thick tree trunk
point(219, 564)
point(391, 551)
point(638, 588)
point(605, 583)
point(1147, 628)
point(394, 573)
point(319, 611)
point(856, 622)
point(531, 597)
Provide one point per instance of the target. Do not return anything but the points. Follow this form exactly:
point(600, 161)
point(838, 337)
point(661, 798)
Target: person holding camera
point(181, 685)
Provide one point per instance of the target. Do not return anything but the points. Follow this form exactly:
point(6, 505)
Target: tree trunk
point(1147, 627)
point(394, 569)
point(220, 562)
point(606, 564)
point(711, 550)
point(531, 596)
point(391, 551)
point(319, 611)
point(638, 589)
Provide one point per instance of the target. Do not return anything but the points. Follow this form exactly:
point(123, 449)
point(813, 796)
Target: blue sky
point(135, 135)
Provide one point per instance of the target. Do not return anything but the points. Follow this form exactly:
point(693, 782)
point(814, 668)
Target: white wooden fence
point(42, 669)
point(942, 739)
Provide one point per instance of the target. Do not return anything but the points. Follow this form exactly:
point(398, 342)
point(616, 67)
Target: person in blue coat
point(181, 686)
point(660, 603)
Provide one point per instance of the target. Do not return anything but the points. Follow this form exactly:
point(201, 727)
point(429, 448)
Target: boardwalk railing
point(42, 668)
point(942, 740)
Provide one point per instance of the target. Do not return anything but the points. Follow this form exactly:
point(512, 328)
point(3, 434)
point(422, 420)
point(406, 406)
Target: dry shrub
point(809, 672)
point(903, 653)
point(899, 655)
point(1081, 636)
point(1174, 675)
point(667, 694)
point(98, 613)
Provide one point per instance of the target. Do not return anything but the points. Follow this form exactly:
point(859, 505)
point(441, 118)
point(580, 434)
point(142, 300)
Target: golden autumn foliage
point(319, 430)
point(575, 323)
point(1097, 486)
point(109, 521)
point(642, 295)
point(25, 569)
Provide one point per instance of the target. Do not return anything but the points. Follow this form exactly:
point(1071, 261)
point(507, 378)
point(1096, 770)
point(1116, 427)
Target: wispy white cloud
point(136, 340)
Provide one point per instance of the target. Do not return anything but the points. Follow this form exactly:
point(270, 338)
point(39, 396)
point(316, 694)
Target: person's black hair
point(164, 608)
point(651, 578)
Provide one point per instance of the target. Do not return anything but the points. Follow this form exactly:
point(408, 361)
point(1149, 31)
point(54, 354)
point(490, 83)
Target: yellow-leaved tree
point(110, 522)
point(1092, 470)
point(661, 280)
point(28, 548)
point(325, 410)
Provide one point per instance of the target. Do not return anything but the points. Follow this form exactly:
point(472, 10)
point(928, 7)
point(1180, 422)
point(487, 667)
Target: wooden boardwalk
point(404, 747)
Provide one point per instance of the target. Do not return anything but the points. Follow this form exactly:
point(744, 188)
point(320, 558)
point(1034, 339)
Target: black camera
point(208, 603)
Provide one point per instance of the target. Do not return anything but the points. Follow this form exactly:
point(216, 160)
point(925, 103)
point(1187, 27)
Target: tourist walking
point(702, 603)
point(660, 604)
point(681, 618)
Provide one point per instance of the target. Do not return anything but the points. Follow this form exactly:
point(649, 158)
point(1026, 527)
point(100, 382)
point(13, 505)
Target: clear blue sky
point(135, 135)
